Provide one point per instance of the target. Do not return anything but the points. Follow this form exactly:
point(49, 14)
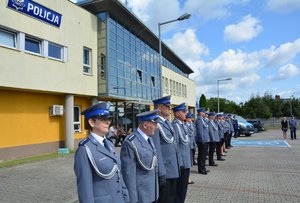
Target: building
point(59, 58)
point(44, 66)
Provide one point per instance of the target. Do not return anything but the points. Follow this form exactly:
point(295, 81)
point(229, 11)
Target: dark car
point(258, 124)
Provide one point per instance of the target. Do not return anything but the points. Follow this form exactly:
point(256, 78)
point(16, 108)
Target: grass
point(33, 159)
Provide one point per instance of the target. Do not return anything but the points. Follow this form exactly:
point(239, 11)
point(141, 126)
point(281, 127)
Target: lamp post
point(291, 107)
point(182, 17)
point(218, 90)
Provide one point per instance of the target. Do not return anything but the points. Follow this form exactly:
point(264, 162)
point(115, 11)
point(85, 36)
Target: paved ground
point(249, 174)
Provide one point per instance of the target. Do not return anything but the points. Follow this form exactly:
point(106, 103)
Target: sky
point(254, 42)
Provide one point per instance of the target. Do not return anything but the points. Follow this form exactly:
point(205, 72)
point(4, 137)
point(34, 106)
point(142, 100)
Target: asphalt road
point(249, 174)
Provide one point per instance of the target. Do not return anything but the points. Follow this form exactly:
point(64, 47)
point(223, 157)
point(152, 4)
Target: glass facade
point(133, 65)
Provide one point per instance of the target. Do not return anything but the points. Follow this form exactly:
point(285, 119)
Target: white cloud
point(245, 30)
point(208, 10)
point(283, 6)
point(179, 42)
point(281, 55)
point(151, 12)
point(285, 72)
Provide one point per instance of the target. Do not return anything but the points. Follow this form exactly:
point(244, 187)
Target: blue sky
point(256, 43)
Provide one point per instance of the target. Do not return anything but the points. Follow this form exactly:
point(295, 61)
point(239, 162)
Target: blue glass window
point(7, 38)
point(55, 51)
point(33, 45)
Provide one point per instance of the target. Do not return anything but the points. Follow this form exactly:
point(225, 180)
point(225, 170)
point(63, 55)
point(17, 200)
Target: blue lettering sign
point(36, 10)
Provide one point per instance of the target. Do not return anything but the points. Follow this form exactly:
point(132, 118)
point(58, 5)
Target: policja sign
point(35, 10)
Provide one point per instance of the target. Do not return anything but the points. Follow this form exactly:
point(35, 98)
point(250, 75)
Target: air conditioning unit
point(56, 110)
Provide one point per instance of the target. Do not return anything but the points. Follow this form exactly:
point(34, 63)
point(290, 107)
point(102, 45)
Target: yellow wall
point(25, 120)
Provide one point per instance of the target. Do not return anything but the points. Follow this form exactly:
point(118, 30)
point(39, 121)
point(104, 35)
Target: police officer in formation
point(219, 123)
point(214, 138)
point(169, 157)
point(230, 132)
point(192, 133)
point(97, 167)
point(181, 131)
point(202, 140)
point(139, 160)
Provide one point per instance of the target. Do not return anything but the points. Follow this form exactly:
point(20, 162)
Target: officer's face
point(180, 115)
point(100, 125)
point(163, 110)
point(150, 128)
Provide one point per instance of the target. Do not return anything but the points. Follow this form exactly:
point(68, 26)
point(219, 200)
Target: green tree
point(202, 101)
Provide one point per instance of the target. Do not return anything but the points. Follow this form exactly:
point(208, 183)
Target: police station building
point(58, 58)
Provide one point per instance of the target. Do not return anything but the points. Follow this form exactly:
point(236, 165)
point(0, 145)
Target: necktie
point(106, 145)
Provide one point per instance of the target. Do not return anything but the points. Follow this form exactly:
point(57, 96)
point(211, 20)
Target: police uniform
point(169, 158)
point(202, 139)
point(139, 163)
point(192, 134)
point(97, 167)
point(218, 122)
point(185, 152)
point(214, 138)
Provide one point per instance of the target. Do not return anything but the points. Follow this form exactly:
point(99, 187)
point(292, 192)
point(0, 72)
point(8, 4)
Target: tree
point(202, 101)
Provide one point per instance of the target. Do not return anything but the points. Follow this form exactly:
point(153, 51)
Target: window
point(166, 85)
point(103, 67)
point(33, 45)
point(153, 81)
point(87, 61)
point(139, 74)
point(77, 125)
point(55, 51)
point(7, 38)
point(171, 87)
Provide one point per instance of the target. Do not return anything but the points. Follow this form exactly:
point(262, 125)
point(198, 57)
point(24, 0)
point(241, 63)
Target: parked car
point(244, 127)
point(258, 124)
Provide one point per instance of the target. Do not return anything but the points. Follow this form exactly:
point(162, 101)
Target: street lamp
point(218, 90)
point(182, 17)
point(291, 108)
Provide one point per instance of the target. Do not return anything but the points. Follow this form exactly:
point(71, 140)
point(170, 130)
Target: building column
point(69, 122)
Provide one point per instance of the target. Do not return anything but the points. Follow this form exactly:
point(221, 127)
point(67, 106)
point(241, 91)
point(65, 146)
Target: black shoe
point(191, 182)
point(214, 164)
point(207, 171)
point(202, 172)
point(223, 155)
point(231, 146)
point(221, 159)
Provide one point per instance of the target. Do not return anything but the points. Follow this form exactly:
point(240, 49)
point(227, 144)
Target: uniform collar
point(162, 118)
point(143, 134)
point(98, 138)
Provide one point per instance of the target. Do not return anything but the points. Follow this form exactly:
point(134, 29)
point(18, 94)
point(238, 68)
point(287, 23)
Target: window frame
point(14, 34)
point(89, 66)
point(79, 119)
point(61, 51)
point(40, 45)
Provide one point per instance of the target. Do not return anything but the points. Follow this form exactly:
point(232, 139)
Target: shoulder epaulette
point(131, 137)
point(82, 142)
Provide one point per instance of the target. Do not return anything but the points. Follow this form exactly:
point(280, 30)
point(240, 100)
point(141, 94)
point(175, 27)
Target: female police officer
point(96, 166)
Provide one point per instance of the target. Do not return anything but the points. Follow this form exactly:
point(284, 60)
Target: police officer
point(96, 166)
point(219, 123)
point(231, 131)
point(192, 133)
point(169, 159)
point(139, 160)
point(202, 140)
point(214, 138)
point(184, 149)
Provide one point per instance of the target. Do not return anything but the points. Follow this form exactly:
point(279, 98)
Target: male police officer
point(139, 160)
point(192, 133)
point(185, 151)
point(214, 138)
point(202, 140)
point(169, 159)
point(221, 135)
